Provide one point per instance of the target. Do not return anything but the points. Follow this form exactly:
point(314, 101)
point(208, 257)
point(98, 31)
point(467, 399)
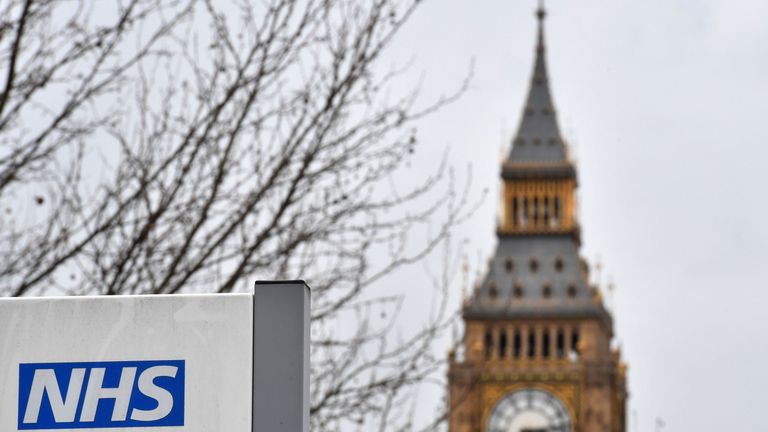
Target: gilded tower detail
point(537, 353)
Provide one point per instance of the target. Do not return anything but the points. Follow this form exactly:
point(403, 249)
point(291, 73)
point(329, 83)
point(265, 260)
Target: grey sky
point(664, 104)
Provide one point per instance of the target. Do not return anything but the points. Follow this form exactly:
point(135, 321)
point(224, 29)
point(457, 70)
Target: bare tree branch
point(168, 146)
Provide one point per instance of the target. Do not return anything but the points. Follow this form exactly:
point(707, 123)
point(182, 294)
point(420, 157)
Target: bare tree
point(166, 146)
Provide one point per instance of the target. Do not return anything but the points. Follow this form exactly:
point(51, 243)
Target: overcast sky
point(664, 103)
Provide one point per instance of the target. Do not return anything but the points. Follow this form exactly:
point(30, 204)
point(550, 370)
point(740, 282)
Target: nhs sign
point(101, 395)
point(161, 363)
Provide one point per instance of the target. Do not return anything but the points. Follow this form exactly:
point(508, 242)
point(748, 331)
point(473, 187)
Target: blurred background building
point(537, 352)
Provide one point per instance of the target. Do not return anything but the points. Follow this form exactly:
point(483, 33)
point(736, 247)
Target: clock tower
point(537, 353)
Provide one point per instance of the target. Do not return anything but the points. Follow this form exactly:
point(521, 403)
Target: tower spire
point(538, 138)
point(541, 14)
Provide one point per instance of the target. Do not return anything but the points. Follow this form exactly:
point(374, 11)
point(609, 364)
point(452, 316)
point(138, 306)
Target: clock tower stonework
point(537, 353)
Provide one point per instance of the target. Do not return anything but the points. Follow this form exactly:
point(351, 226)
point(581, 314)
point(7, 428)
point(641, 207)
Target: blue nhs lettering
point(97, 395)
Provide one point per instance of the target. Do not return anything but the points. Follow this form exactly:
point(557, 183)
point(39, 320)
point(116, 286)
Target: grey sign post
point(281, 357)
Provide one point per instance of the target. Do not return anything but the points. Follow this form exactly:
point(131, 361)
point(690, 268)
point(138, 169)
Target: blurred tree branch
point(165, 146)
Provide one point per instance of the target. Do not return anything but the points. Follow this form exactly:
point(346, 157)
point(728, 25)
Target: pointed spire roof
point(538, 138)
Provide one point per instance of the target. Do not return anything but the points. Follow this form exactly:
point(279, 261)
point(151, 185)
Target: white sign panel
point(138, 363)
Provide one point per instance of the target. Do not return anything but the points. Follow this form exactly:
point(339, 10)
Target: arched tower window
point(525, 212)
point(517, 344)
point(488, 344)
point(545, 211)
point(574, 344)
point(515, 212)
point(535, 211)
point(545, 344)
point(493, 292)
point(559, 264)
point(503, 344)
point(531, 343)
point(560, 343)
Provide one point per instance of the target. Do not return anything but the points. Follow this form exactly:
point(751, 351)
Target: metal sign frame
point(280, 363)
point(233, 361)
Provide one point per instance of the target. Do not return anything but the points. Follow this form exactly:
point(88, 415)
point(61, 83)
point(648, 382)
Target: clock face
point(529, 410)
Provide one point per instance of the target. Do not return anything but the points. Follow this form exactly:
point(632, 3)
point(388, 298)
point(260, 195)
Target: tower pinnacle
point(538, 138)
point(541, 14)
